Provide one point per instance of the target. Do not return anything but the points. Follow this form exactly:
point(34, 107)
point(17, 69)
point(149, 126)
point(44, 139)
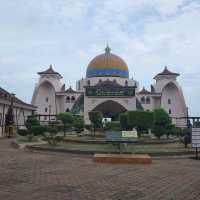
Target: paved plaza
point(58, 176)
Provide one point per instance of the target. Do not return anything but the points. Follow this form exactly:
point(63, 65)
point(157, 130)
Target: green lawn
point(151, 148)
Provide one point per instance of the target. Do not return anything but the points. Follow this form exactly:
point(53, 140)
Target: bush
point(22, 132)
point(113, 126)
point(78, 124)
point(96, 118)
point(67, 120)
point(162, 122)
point(32, 121)
point(142, 120)
point(123, 118)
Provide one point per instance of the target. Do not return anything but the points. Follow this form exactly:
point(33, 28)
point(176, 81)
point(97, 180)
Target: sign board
point(127, 134)
point(114, 92)
point(121, 136)
point(196, 137)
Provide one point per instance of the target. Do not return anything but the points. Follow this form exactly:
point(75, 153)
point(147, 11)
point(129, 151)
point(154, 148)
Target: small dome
point(107, 65)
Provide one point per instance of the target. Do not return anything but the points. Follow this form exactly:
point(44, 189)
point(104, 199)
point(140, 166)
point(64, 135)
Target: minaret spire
point(107, 49)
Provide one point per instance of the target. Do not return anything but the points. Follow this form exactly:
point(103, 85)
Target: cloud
point(68, 34)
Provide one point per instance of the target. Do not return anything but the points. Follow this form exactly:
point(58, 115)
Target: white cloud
point(147, 34)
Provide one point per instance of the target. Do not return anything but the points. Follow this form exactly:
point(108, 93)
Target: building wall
point(68, 100)
point(20, 116)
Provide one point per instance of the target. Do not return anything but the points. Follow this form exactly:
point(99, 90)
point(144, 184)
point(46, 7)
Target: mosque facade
point(107, 88)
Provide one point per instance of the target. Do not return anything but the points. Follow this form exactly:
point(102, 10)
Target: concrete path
point(58, 176)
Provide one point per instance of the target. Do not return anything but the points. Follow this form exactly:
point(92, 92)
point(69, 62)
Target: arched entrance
point(110, 109)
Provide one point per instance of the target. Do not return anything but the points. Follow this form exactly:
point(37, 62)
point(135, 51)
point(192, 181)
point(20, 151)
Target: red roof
point(50, 70)
point(167, 72)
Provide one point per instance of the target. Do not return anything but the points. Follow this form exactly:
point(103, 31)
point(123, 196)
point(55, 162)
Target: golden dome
point(107, 64)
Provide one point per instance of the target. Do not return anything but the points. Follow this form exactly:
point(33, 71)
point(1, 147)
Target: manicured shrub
point(142, 120)
point(67, 121)
point(123, 118)
point(22, 132)
point(78, 124)
point(113, 126)
point(96, 118)
point(162, 122)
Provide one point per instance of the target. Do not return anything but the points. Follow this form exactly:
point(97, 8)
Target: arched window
point(148, 100)
point(67, 99)
point(100, 80)
point(142, 100)
point(169, 101)
point(73, 98)
point(126, 83)
point(47, 99)
point(67, 110)
point(170, 111)
point(88, 82)
point(114, 81)
point(46, 110)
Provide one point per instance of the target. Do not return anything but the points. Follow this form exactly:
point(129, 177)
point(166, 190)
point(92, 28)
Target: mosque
point(107, 88)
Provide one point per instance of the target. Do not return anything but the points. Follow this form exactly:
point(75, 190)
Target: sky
point(147, 34)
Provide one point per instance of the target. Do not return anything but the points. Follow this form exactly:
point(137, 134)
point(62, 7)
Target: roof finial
point(107, 49)
point(50, 66)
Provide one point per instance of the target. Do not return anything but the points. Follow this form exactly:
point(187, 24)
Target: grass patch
point(151, 148)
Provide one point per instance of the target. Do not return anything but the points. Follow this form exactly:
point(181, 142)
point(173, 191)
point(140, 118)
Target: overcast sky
point(147, 34)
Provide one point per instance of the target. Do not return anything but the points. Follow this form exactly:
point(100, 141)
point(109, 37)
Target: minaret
point(44, 96)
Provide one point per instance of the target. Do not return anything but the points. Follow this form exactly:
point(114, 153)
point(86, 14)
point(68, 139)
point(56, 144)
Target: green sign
point(113, 92)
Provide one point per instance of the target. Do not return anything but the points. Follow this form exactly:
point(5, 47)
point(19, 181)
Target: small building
point(21, 110)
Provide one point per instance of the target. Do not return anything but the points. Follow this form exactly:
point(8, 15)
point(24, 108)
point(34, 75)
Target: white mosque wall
point(45, 99)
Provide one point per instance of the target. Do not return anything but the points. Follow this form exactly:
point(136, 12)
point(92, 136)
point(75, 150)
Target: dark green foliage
point(113, 126)
point(96, 119)
point(32, 125)
point(162, 122)
point(78, 124)
point(123, 118)
point(176, 132)
point(31, 121)
point(67, 119)
point(141, 120)
point(22, 132)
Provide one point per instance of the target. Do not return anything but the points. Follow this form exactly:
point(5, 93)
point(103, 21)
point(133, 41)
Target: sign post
point(196, 140)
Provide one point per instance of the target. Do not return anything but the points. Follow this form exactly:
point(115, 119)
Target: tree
point(52, 130)
point(78, 124)
point(162, 122)
point(32, 124)
point(96, 119)
point(67, 120)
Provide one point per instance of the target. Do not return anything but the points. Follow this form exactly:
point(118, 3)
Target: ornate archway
point(110, 109)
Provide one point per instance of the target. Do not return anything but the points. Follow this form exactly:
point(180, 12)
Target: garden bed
point(151, 149)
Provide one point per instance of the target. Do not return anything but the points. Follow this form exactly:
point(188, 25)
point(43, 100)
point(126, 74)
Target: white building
point(107, 88)
point(21, 110)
